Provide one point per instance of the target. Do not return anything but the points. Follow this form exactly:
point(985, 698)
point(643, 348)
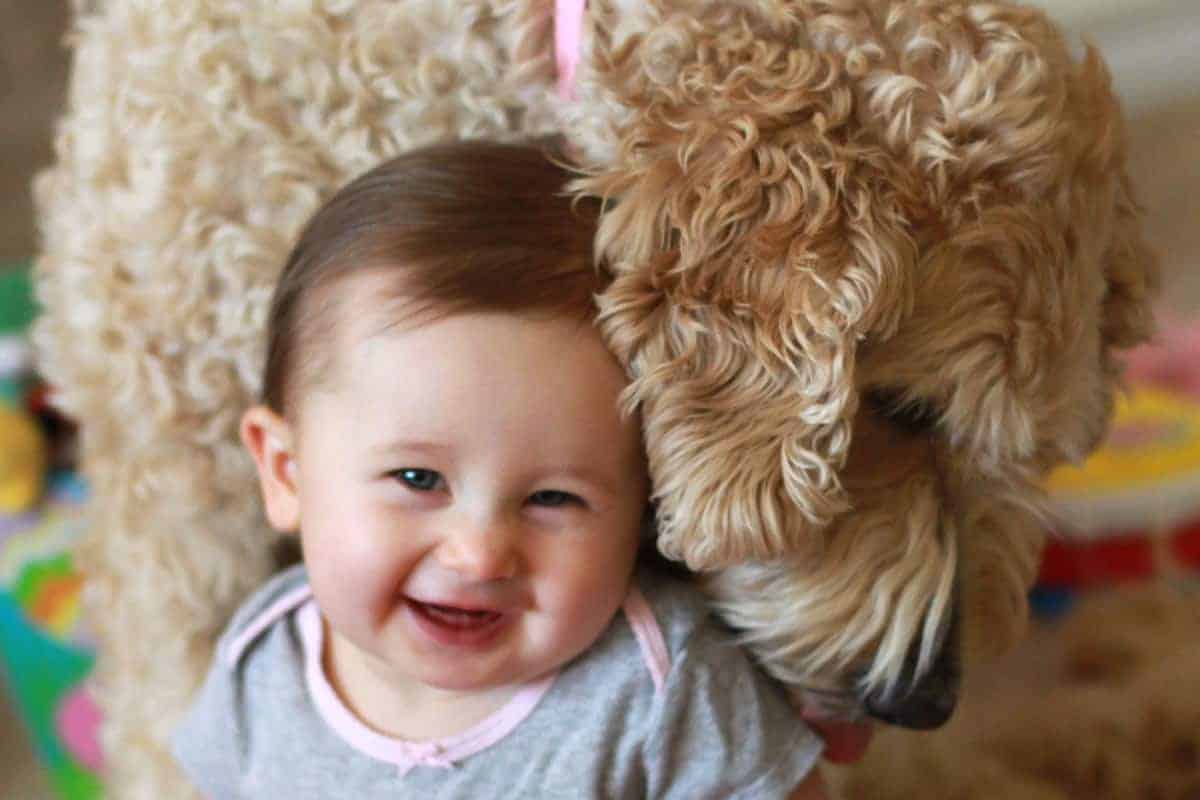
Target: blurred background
point(33, 74)
point(1152, 48)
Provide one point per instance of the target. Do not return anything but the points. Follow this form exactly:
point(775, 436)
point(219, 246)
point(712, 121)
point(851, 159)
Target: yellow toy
point(22, 461)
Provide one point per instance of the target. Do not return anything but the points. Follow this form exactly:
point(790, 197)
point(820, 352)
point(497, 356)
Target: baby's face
point(469, 498)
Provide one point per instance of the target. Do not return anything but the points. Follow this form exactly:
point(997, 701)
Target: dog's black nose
point(929, 700)
point(920, 709)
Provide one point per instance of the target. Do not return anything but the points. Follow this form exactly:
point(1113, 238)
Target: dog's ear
point(1131, 269)
point(1129, 265)
point(752, 244)
point(1039, 269)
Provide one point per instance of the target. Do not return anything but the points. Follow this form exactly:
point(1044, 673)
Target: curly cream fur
point(808, 200)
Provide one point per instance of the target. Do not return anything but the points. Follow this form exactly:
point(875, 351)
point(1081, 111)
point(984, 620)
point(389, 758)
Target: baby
point(441, 427)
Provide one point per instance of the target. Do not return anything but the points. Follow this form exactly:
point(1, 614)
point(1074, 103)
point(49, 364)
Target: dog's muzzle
point(922, 704)
point(923, 701)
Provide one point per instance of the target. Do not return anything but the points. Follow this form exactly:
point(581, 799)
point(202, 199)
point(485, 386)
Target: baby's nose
point(489, 554)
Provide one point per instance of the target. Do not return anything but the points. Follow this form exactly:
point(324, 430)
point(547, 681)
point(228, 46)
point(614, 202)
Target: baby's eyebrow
point(585, 474)
point(411, 446)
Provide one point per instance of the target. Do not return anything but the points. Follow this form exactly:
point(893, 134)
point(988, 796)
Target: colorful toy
point(23, 449)
point(17, 311)
point(23, 460)
point(1132, 511)
point(1172, 360)
point(45, 655)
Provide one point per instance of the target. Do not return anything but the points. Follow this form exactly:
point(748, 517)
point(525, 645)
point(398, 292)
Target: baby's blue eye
point(553, 498)
point(423, 480)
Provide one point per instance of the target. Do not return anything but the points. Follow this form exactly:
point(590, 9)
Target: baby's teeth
point(458, 617)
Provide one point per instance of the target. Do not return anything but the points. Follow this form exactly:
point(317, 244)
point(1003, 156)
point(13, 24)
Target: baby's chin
point(501, 682)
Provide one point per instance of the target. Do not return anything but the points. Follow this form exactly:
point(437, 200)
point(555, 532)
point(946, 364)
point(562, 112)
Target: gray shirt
point(663, 705)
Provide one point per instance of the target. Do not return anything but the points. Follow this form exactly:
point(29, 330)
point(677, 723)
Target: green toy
point(17, 310)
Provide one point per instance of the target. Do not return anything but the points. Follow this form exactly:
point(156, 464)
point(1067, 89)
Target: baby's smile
point(457, 626)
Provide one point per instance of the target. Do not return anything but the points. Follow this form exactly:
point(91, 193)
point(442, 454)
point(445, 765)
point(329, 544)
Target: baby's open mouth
point(456, 626)
point(453, 617)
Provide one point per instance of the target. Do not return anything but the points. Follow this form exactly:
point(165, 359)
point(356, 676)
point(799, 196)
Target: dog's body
point(871, 258)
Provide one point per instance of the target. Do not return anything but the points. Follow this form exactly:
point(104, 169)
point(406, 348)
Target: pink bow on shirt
point(430, 754)
point(568, 28)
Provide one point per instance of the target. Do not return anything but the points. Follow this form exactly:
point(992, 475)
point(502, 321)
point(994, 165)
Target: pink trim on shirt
point(649, 636)
point(434, 752)
point(406, 754)
point(265, 620)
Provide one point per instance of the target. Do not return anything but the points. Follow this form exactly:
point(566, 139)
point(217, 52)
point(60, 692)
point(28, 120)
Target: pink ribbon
point(430, 754)
point(568, 31)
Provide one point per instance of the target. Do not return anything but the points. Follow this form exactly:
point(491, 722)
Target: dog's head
point(871, 262)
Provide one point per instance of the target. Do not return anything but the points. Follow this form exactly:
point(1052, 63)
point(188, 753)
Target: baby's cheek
point(585, 609)
point(355, 582)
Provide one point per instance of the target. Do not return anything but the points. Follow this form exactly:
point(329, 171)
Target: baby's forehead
point(337, 316)
point(350, 316)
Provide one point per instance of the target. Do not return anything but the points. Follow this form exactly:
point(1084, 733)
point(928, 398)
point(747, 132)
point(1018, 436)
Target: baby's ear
point(268, 437)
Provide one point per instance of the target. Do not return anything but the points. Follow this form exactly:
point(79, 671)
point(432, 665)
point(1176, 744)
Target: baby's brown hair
point(465, 226)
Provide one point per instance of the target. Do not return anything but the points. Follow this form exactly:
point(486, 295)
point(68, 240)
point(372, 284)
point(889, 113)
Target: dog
point(873, 260)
